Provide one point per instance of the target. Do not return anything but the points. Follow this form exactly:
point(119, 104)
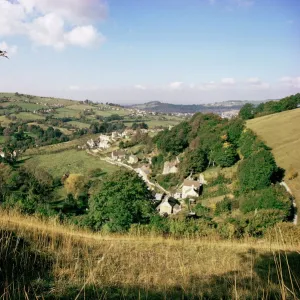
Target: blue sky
point(179, 51)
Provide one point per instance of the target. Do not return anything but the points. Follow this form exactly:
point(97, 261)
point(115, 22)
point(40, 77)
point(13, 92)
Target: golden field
point(46, 260)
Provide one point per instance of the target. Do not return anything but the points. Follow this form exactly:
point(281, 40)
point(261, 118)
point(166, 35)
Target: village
point(167, 202)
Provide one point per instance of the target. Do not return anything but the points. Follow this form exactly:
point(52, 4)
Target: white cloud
point(140, 87)
point(11, 50)
point(176, 85)
point(293, 82)
point(228, 81)
point(255, 82)
point(53, 23)
point(74, 88)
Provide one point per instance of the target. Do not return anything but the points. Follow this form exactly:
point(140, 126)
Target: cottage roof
point(118, 153)
point(191, 183)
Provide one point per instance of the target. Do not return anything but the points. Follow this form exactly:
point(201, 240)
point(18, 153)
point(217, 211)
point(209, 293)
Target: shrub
point(268, 198)
point(256, 171)
point(224, 206)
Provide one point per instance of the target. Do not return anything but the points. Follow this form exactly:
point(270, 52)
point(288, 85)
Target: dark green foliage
point(168, 181)
point(247, 112)
point(224, 206)
point(234, 131)
point(249, 143)
point(175, 140)
point(194, 162)
point(256, 224)
point(140, 125)
point(157, 164)
point(226, 156)
point(268, 198)
point(123, 200)
point(256, 171)
point(202, 211)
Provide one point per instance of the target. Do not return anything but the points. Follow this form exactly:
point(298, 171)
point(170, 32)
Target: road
point(295, 221)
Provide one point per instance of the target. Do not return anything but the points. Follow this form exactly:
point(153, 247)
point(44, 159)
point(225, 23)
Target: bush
point(258, 223)
point(268, 198)
point(256, 171)
point(224, 206)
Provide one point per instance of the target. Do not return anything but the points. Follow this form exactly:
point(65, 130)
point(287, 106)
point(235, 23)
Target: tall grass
point(45, 260)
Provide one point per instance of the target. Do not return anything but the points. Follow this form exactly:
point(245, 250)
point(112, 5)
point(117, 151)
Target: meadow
point(57, 261)
point(284, 139)
point(70, 161)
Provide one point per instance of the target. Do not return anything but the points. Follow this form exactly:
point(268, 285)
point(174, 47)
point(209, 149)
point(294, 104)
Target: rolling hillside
point(281, 132)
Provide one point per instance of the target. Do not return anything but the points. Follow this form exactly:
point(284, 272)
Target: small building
point(177, 195)
point(159, 197)
point(115, 135)
point(191, 188)
point(91, 143)
point(169, 206)
point(133, 159)
point(170, 167)
point(118, 155)
point(103, 144)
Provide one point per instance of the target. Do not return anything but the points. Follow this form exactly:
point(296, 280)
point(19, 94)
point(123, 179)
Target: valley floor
point(43, 259)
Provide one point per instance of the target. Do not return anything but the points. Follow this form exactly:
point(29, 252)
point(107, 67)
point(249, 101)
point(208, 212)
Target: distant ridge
point(157, 106)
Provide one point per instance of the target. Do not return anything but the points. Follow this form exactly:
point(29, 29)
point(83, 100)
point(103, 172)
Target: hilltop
point(281, 132)
point(218, 107)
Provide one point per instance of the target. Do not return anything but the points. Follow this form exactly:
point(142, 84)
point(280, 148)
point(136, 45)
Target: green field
point(79, 125)
point(281, 132)
point(72, 161)
point(27, 116)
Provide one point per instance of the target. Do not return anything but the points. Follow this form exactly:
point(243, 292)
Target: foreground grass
point(45, 260)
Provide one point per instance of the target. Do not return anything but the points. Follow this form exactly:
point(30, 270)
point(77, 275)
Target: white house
point(170, 167)
point(133, 159)
point(91, 143)
point(191, 188)
point(168, 206)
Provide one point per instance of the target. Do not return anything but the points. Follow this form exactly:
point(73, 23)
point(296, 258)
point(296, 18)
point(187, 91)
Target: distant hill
point(219, 107)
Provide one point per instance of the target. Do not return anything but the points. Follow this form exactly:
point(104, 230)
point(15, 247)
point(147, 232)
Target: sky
point(135, 51)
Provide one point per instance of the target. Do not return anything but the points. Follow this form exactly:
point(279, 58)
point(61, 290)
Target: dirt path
point(295, 221)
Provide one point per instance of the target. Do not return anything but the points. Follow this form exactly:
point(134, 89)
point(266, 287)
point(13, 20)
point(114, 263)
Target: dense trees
point(256, 171)
point(249, 111)
point(124, 199)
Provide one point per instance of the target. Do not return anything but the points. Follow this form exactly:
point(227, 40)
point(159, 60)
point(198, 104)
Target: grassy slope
point(64, 263)
point(72, 161)
point(281, 132)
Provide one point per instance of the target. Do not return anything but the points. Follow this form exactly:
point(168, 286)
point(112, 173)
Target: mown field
point(281, 132)
point(46, 260)
point(70, 161)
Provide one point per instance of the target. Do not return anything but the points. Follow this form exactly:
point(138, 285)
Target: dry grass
point(66, 263)
point(281, 132)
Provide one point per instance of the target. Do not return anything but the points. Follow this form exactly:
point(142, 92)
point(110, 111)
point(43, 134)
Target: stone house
point(191, 188)
point(115, 135)
point(118, 155)
point(133, 159)
point(171, 167)
point(169, 206)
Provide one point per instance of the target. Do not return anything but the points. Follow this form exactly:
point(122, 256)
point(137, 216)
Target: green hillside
point(281, 132)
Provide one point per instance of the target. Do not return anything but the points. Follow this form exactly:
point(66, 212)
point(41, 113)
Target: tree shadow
point(23, 271)
point(273, 276)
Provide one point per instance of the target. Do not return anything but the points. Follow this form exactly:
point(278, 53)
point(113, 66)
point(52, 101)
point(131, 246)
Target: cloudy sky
point(129, 51)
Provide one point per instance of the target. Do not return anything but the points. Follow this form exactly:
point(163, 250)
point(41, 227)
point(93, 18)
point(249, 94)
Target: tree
point(247, 111)
point(256, 172)
point(268, 198)
point(226, 156)
point(195, 161)
point(124, 199)
point(75, 184)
